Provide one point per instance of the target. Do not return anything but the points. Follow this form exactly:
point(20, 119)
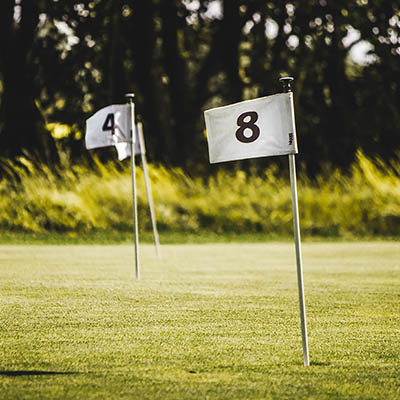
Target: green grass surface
point(102, 237)
point(216, 321)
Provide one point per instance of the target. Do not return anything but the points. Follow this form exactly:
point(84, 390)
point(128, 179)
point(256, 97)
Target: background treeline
point(62, 60)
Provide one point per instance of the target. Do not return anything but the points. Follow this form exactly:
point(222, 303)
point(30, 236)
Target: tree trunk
point(115, 76)
point(229, 50)
point(23, 125)
point(182, 121)
point(141, 32)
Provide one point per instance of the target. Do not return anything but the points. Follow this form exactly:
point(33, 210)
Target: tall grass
point(82, 198)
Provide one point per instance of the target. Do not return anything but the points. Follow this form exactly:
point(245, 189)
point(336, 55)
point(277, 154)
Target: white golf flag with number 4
point(253, 128)
point(111, 126)
point(108, 126)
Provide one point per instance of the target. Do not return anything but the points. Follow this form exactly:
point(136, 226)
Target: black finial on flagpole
point(287, 83)
point(129, 97)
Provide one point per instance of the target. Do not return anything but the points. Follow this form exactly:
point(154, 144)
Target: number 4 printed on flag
point(109, 123)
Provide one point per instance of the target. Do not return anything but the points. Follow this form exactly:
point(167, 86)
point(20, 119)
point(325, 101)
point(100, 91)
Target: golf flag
point(260, 128)
point(124, 148)
point(111, 126)
point(114, 126)
point(254, 128)
point(108, 126)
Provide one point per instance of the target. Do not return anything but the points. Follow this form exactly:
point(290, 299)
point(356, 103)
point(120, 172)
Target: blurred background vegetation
point(62, 60)
point(84, 199)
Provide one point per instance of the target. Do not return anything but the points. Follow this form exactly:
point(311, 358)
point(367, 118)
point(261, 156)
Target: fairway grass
point(208, 321)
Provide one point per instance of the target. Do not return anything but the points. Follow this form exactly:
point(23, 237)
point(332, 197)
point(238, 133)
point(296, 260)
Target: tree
point(377, 86)
point(23, 126)
point(181, 57)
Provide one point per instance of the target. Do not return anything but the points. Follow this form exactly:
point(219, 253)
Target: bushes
point(79, 198)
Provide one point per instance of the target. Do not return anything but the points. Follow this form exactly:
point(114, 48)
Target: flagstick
point(148, 188)
point(296, 225)
point(130, 97)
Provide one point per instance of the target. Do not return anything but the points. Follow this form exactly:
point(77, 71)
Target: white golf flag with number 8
point(254, 128)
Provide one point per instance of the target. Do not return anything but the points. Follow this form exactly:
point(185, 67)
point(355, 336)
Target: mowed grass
point(206, 321)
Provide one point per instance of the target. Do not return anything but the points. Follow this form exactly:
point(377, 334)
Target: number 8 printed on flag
point(252, 128)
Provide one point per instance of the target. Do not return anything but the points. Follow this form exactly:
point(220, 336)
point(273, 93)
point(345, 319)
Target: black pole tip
point(130, 96)
point(286, 79)
point(287, 83)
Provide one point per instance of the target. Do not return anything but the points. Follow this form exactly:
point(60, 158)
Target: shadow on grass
point(34, 373)
point(320, 363)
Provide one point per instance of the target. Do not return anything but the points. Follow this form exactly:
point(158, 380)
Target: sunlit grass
point(207, 321)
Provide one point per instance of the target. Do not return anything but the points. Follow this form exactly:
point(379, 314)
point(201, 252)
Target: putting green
point(217, 321)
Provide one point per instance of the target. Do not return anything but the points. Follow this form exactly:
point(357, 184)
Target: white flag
point(124, 149)
point(108, 126)
point(253, 128)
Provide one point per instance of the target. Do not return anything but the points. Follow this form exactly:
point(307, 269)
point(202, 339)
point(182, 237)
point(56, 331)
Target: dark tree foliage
point(62, 60)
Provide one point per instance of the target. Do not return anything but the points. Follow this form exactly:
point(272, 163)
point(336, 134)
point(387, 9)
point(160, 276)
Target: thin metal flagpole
point(130, 97)
point(148, 188)
point(296, 225)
